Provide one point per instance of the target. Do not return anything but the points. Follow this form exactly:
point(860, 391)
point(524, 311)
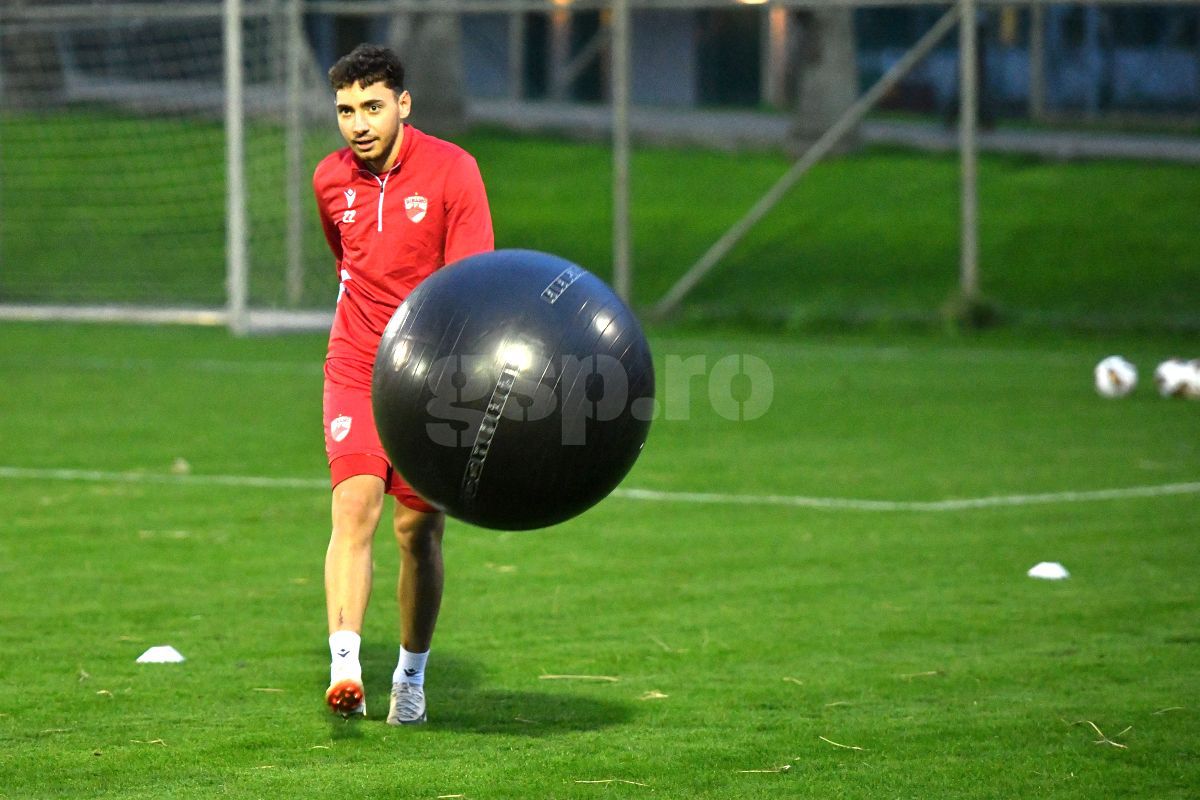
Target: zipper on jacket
point(382, 191)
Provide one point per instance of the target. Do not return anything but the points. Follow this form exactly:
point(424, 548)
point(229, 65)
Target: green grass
point(914, 635)
point(871, 237)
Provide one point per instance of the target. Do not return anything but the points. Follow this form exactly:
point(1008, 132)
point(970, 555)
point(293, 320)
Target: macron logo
point(350, 195)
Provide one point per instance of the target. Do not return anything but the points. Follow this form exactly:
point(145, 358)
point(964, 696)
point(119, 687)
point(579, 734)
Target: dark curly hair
point(368, 64)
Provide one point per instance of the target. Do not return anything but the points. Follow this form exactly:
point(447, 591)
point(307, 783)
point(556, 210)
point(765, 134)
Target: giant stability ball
point(513, 389)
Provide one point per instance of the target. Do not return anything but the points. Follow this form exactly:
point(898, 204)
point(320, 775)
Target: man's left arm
point(468, 218)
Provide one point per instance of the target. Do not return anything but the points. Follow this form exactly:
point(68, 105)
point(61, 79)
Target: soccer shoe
point(408, 704)
point(346, 698)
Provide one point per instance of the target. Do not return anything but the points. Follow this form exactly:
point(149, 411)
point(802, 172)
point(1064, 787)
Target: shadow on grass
point(457, 702)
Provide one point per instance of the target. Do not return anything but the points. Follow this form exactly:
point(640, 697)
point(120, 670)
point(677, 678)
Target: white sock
point(343, 656)
point(411, 668)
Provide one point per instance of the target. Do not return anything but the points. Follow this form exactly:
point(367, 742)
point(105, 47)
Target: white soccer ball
point(1115, 377)
point(1178, 378)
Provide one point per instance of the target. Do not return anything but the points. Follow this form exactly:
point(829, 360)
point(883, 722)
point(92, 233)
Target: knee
point(419, 535)
point(357, 506)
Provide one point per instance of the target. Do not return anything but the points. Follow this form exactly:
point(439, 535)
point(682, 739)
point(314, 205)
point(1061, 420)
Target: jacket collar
point(411, 134)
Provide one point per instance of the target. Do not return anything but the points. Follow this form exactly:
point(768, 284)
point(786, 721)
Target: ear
point(404, 103)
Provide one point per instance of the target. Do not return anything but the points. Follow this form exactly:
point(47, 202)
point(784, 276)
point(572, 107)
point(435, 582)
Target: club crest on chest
point(415, 207)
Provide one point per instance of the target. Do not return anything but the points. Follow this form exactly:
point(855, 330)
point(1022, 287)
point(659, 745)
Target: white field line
point(98, 476)
point(958, 504)
point(689, 498)
point(157, 365)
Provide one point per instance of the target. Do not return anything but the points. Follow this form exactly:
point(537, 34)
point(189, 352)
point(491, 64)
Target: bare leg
point(357, 506)
point(419, 590)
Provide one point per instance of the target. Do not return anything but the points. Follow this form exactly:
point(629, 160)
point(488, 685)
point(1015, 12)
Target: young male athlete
point(396, 204)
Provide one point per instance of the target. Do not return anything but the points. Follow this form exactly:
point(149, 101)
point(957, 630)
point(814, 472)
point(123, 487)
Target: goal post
point(236, 275)
point(154, 164)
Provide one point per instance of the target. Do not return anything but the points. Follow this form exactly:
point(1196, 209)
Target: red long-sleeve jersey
point(388, 232)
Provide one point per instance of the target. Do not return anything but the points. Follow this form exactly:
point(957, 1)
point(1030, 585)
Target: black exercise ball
point(513, 389)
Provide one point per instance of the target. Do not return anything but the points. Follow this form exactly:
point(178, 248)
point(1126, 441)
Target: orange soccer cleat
point(346, 697)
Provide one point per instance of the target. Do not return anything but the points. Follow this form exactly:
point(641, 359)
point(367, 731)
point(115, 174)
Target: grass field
point(869, 238)
point(781, 647)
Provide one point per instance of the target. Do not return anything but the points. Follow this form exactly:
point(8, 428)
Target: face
point(370, 119)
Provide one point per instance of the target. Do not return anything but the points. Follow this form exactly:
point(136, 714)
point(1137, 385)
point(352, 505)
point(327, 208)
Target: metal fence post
point(235, 171)
point(968, 157)
point(294, 144)
point(622, 248)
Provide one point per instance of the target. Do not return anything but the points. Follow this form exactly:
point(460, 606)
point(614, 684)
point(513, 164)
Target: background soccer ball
point(1115, 377)
point(1178, 378)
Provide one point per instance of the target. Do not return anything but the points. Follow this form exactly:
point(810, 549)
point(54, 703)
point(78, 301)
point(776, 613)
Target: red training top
point(389, 232)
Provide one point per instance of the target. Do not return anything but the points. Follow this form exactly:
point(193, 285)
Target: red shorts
point(351, 441)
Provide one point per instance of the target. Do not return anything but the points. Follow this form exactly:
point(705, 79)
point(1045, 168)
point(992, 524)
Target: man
point(396, 204)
